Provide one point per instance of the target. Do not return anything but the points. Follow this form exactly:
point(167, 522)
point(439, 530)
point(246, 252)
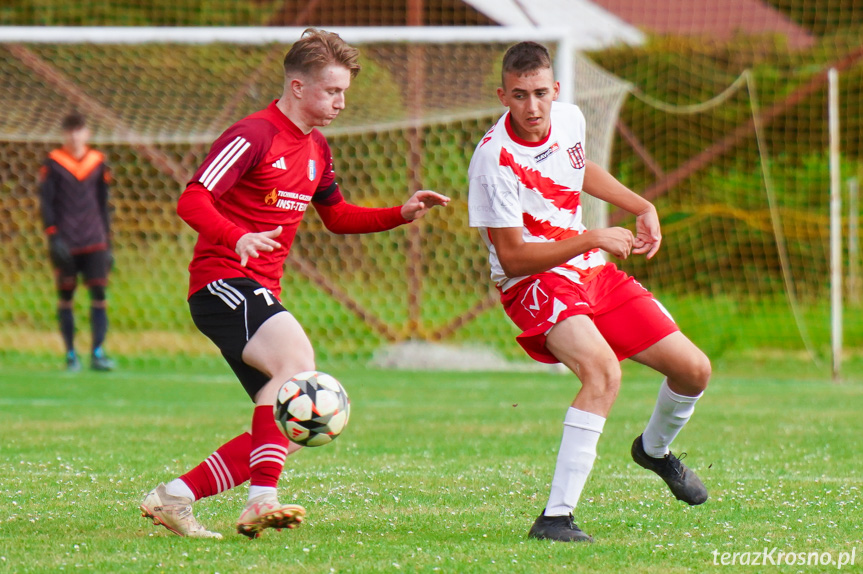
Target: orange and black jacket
point(74, 196)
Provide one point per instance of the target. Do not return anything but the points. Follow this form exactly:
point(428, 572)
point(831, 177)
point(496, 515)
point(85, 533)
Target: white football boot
point(265, 511)
point(174, 513)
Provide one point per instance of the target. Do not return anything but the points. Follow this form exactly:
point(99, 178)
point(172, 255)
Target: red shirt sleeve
point(197, 207)
point(232, 155)
point(342, 217)
point(339, 216)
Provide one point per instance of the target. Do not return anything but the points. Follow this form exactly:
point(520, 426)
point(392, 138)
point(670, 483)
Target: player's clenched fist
point(615, 240)
point(422, 201)
point(251, 244)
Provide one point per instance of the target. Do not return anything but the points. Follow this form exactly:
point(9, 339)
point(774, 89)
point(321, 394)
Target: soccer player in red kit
point(246, 201)
point(572, 306)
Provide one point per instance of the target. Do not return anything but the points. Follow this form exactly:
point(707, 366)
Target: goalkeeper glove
point(60, 255)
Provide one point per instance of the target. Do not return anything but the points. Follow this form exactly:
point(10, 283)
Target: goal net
point(413, 118)
point(728, 137)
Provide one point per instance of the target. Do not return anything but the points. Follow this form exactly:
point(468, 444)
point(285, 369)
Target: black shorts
point(93, 266)
point(230, 312)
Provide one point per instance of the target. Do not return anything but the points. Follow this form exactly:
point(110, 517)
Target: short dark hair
point(317, 49)
point(525, 57)
point(73, 121)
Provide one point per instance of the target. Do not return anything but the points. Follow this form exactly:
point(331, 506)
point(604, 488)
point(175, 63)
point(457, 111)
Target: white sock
point(178, 487)
point(581, 431)
point(255, 491)
point(672, 411)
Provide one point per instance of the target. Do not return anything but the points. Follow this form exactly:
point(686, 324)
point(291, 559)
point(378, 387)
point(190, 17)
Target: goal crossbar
point(564, 58)
point(271, 34)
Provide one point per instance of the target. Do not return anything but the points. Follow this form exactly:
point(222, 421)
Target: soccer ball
point(312, 408)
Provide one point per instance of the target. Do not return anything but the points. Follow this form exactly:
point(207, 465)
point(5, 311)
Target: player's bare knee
point(693, 376)
point(700, 372)
point(293, 363)
point(602, 379)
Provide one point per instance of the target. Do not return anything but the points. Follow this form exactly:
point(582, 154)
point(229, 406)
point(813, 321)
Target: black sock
point(98, 325)
point(67, 327)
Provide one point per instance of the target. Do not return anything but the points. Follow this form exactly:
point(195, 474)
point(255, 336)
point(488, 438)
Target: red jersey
point(262, 173)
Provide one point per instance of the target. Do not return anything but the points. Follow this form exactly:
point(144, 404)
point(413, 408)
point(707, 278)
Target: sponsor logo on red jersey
point(313, 170)
point(288, 200)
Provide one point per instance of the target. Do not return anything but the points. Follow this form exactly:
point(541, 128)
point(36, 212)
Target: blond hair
point(317, 49)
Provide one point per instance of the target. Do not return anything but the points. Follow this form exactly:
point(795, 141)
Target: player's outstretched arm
point(251, 244)
point(421, 202)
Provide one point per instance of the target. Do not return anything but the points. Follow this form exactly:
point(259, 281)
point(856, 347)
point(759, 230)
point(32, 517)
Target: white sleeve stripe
point(228, 161)
point(219, 157)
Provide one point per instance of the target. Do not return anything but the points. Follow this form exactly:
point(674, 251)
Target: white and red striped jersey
point(533, 185)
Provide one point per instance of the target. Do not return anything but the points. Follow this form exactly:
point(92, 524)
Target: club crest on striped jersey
point(313, 170)
point(576, 156)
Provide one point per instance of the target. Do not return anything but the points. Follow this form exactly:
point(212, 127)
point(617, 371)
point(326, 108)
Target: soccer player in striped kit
point(246, 201)
point(573, 307)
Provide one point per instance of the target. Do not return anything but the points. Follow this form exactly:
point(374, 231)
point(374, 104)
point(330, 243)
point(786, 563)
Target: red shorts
point(626, 314)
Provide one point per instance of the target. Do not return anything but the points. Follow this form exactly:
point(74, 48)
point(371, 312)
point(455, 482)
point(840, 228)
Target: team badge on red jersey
point(313, 170)
point(576, 156)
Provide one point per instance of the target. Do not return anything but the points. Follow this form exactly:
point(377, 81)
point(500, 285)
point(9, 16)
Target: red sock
point(269, 448)
point(224, 469)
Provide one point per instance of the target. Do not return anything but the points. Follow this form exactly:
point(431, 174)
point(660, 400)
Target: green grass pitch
point(435, 472)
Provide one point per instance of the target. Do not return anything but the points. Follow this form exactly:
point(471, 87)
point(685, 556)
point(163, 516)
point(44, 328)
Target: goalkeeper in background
point(246, 202)
point(526, 177)
point(74, 198)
